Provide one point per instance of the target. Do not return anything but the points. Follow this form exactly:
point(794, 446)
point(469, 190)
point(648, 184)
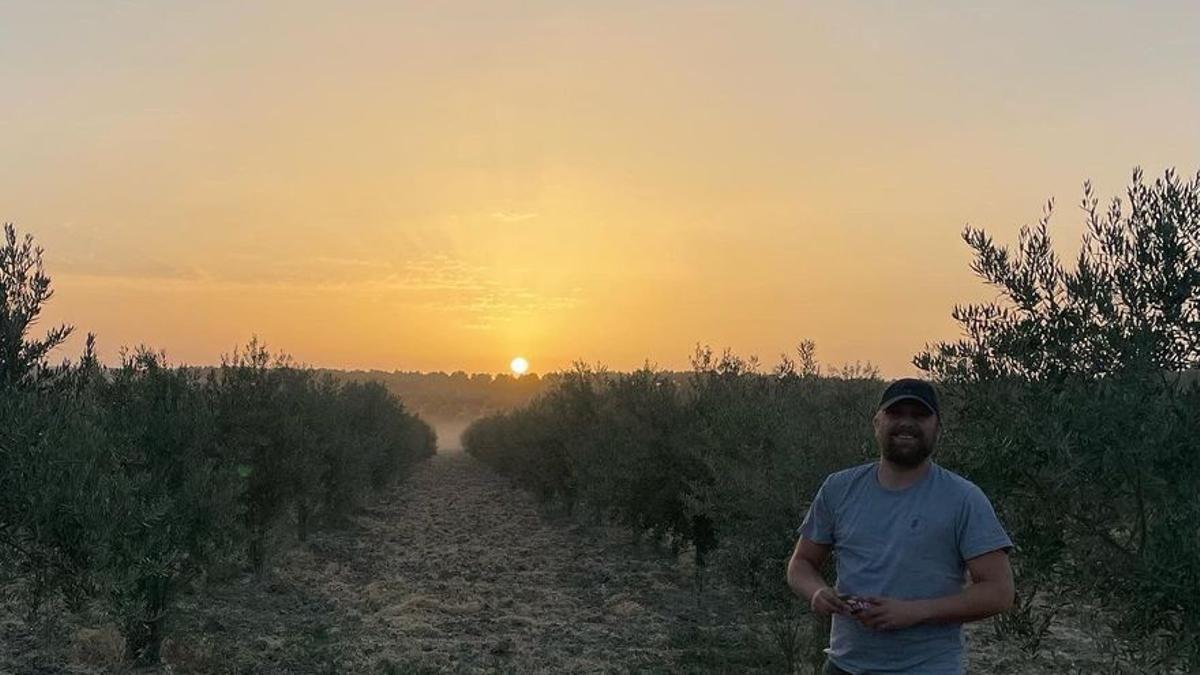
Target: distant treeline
point(123, 488)
point(454, 396)
point(458, 395)
point(1073, 402)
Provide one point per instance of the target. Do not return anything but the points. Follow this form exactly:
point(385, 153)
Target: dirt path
point(459, 570)
point(454, 570)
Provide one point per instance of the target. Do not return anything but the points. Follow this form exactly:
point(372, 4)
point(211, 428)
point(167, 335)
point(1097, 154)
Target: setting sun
point(519, 365)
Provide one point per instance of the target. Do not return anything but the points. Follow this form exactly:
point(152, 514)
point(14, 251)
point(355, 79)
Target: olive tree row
point(125, 486)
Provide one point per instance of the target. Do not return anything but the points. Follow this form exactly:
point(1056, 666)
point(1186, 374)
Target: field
point(455, 570)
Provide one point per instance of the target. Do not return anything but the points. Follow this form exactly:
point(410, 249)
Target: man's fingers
point(876, 617)
point(870, 613)
point(825, 601)
point(876, 622)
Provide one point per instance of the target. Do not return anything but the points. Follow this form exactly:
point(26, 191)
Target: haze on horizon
point(419, 186)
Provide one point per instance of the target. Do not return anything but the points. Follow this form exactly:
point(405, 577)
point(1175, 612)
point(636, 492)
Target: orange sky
point(417, 186)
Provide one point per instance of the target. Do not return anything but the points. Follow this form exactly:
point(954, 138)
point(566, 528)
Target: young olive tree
point(175, 510)
point(46, 534)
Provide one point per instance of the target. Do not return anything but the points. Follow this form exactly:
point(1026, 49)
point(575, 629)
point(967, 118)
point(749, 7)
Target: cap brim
point(906, 397)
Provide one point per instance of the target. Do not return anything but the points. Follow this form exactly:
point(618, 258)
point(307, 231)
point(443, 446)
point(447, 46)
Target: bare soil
point(455, 570)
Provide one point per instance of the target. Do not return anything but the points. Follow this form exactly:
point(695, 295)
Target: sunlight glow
point(519, 365)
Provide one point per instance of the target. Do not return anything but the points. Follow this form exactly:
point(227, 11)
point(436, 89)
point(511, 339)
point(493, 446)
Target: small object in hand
point(856, 604)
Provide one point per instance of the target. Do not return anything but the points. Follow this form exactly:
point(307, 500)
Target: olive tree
point(1070, 402)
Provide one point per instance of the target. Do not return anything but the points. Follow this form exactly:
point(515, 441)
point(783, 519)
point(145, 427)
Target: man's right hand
point(825, 602)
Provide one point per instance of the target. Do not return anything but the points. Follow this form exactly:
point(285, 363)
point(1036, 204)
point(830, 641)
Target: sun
point(519, 365)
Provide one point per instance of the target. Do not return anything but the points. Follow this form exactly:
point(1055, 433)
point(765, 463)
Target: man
point(904, 530)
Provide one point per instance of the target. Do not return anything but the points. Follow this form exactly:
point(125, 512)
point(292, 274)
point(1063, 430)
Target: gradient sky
point(445, 185)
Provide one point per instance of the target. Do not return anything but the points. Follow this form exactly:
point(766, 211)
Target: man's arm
point(991, 592)
point(804, 577)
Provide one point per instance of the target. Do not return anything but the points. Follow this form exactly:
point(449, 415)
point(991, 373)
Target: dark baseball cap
point(911, 388)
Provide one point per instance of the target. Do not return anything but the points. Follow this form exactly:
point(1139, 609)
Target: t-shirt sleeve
point(979, 530)
point(818, 522)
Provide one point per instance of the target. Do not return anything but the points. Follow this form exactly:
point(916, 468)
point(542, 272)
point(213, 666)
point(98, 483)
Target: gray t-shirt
point(909, 544)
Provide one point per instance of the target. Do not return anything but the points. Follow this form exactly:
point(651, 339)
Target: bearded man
point(905, 532)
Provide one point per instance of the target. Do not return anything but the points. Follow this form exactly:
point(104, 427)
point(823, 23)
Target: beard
point(907, 453)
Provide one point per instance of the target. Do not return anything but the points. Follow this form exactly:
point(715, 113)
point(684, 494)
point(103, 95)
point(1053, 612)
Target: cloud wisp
point(472, 294)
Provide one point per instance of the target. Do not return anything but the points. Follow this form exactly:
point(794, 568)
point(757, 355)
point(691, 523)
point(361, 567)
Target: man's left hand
point(890, 613)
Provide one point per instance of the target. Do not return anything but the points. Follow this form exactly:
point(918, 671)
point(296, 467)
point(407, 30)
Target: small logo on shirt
point(916, 522)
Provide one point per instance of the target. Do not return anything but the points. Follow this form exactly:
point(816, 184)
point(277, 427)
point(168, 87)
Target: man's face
point(906, 432)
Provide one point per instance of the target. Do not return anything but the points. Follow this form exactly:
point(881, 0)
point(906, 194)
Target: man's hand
point(890, 613)
point(825, 602)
